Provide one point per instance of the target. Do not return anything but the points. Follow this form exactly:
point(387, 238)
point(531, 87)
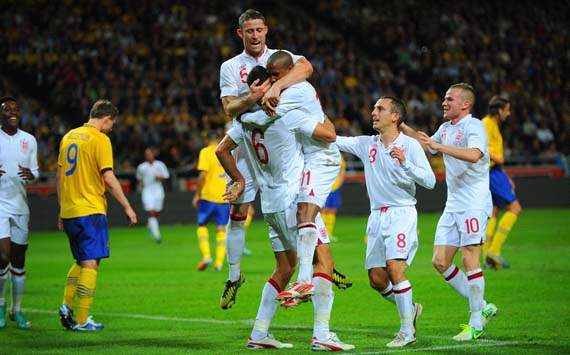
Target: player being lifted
point(463, 142)
point(502, 187)
point(150, 174)
point(277, 162)
point(393, 164)
point(321, 167)
point(18, 166)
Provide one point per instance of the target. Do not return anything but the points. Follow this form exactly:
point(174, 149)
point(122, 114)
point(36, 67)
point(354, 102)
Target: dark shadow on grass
point(151, 343)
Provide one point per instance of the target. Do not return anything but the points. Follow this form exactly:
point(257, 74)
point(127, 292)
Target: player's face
point(452, 104)
point(276, 72)
point(505, 112)
point(253, 35)
point(381, 115)
point(10, 114)
point(108, 122)
point(149, 155)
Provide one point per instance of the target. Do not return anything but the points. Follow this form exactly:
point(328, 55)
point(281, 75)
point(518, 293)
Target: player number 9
point(71, 155)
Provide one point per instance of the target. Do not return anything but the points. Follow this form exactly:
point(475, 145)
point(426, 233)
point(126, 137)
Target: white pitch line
point(443, 347)
point(249, 322)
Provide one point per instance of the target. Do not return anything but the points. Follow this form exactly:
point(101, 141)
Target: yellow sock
point(85, 291)
point(491, 225)
point(330, 219)
point(505, 225)
point(204, 242)
point(248, 220)
point(71, 284)
point(220, 248)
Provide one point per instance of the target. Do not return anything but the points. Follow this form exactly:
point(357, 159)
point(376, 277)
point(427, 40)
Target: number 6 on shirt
point(71, 155)
point(260, 150)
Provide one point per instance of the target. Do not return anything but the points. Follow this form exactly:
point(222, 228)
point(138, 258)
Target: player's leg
point(491, 227)
point(18, 273)
point(506, 223)
point(323, 297)
point(4, 266)
point(306, 240)
point(205, 210)
point(379, 281)
point(248, 220)
point(402, 290)
point(222, 216)
point(153, 225)
point(235, 239)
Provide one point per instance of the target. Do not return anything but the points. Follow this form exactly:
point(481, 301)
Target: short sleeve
point(203, 163)
point(300, 122)
point(165, 173)
point(294, 56)
point(477, 137)
point(291, 99)
point(104, 154)
point(236, 132)
point(228, 86)
point(139, 174)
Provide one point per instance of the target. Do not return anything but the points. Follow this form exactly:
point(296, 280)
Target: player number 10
point(71, 155)
point(472, 225)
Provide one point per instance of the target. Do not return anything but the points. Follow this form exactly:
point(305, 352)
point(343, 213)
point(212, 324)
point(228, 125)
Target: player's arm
point(31, 172)
point(496, 158)
point(57, 188)
point(416, 166)
point(200, 182)
point(300, 72)
point(410, 132)
point(472, 155)
point(114, 187)
point(292, 99)
point(325, 132)
point(234, 106)
point(349, 145)
point(228, 162)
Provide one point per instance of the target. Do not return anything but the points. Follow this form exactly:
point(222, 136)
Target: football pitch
point(153, 301)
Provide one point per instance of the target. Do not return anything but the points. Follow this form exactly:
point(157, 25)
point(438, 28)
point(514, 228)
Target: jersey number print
point(72, 154)
point(261, 152)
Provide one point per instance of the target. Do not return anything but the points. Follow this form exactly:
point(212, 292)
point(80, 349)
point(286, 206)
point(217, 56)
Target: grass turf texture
point(153, 301)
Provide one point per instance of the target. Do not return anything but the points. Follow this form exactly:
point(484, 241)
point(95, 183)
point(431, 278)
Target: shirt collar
point(256, 59)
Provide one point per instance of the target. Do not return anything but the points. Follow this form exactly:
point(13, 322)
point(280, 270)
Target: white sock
point(456, 278)
point(388, 294)
point(322, 302)
point(403, 295)
point(3, 279)
point(153, 227)
point(267, 308)
point(476, 283)
point(306, 244)
point(235, 242)
point(18, 282)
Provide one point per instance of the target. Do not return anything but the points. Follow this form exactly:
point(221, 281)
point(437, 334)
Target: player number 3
point(71, 155)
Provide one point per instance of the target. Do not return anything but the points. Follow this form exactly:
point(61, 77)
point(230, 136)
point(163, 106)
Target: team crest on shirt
point(24, 146)
point(458, 137)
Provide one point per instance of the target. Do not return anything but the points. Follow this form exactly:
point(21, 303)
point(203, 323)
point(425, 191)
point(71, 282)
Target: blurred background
point(159, 61)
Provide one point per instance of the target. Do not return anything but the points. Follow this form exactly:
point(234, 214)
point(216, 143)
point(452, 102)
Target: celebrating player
point(237, 97)
point(277, 163)
point(502, 187)
point(463, 142)
point(393, 164)
point(18, 166)
point(85, 170)
point(210, 203)
point(150, 175)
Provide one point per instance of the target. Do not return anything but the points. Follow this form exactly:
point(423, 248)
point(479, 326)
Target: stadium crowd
point(158, 61)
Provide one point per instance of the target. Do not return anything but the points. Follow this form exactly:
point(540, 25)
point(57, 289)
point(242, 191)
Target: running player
point(150, 175)
point(463, 142)
point(84, 172)
point(393, 164)
point(18, 166)
point(237, 97)
point(210, 203)
point(502, 187)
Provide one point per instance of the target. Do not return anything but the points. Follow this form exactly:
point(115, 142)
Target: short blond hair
point(468, 92)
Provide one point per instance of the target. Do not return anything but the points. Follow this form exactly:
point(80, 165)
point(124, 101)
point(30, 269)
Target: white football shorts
point(15, 227)
point(152, 201)
point(316, 183)
point(460, 229)
point(392, 234)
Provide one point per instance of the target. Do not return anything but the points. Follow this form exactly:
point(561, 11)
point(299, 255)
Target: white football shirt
point(19, 149)
point(389, 184)
point(147, 174)
point(276, 157)
point(467, 183)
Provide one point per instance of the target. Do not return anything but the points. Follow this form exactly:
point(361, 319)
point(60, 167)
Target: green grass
point(143, 280)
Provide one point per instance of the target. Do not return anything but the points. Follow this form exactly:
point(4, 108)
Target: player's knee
point(377, 282)
point(18, 261)
point(4, 258)
point(515, 208)
point(439, 263)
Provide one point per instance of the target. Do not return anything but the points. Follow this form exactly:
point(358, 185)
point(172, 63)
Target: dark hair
point(280, 58)
point(468, 89)
point(103, 108)
point(397, 106)
point(248, 15)
point(496, 103)
point(6, 99)
point(258, 72)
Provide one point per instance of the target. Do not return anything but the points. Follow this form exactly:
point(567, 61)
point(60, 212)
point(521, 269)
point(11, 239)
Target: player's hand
point(2, 172)
point(427, 141)
point(234, 191)
point(195, 200)
point(131, 215)
point(257, 90)
point(25, 173)
point(60, 224)
point(398, 153)
point(271, 100)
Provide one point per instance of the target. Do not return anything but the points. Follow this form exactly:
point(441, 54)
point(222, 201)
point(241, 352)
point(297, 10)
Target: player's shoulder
point(474, 123)
point(27, 135)
point(233, 61)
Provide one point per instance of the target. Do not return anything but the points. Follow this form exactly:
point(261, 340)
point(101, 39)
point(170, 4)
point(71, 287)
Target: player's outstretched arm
point(325, 132)
point(115, 189)
point(234, 106)
point(472, 155)
point(228, 162)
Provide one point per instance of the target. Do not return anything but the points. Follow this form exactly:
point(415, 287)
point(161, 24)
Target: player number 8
point(401, 243)
point(71, 155)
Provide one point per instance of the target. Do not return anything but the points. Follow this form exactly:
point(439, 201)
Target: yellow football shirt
point(337, 184)
point(215, 179)
point(495, 137)
point(84, 153)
